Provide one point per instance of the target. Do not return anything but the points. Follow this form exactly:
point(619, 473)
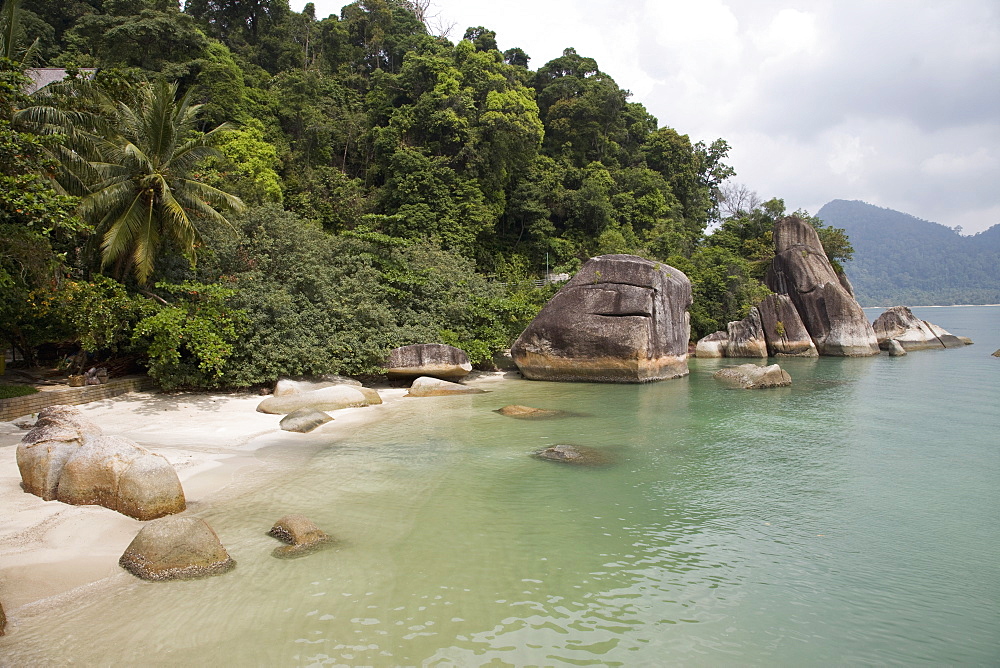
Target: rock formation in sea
point(754, 376)
point(428, 359)
point(301, 535)
point(899, 324)
point(66, 457)
point(621, 319)
point(176, 548)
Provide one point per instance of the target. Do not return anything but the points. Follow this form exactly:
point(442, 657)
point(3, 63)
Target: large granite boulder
point(713, 345)
point(44, 450)
point(301, 535)
point(286, 386)
point(784, 331)
point(745, 338)
point(329, 398)
point(621, 319)
point(899, 324)
point(176, 548)
point(425, 386)
point(116, 473)
point(800, 269)
point(428, 359)
point(753, 376)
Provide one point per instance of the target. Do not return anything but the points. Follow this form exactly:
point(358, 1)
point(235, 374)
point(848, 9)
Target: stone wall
point(73, 396)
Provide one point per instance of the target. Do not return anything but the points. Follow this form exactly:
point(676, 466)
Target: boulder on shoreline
point(621, 319)
point(753, 376)
point(304, 420)
point(44, 450)
point(301, 535)
point(176, 548)
point(329, 398)
point(286, 386)
point(425, 386)
point(436, 360)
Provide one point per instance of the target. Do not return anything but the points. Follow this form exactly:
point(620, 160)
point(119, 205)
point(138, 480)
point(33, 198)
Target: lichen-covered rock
point(621, 319)
point(894, 348)
point(324, 399)
point(114, 472)
point(527, 412)
point(575, 454)
point(304, 420)
point(286, 386)
point(713, 345)
point(745, 338)
point(428, 359)
point(784, 331)
point(899, 324)
point(800, 269)
point(753, 376)
point(425, 386)
point(43, 452)
point(176, 548)
point(301, 534)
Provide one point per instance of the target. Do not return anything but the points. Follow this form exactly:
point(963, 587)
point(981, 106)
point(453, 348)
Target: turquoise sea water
point(851, 519)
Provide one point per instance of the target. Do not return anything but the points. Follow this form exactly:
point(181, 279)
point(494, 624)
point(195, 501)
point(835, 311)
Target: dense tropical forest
point(901, 259)
point(235, 191)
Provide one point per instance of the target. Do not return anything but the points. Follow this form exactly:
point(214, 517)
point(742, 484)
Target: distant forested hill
point(901, 259)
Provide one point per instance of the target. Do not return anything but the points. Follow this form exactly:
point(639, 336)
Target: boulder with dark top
point(527, 412)
point(753, 376)
point(784, 331)
point(800, 269)
point(176, 548)
point(621, 319)
point(286, 386)
point(713, 345)
point(574, 454)
point(304, 420)
point(745, 338)
point(329, 398)
point(44, 450)
point(428, 359)
point(301, 535)
point(899, 324)
point(116, 473)
point(425, 386)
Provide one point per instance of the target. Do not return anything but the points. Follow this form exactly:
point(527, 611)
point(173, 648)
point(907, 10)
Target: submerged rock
point(800, 269)
point(621, 319)
point(301, 535)
point(527, 412)
point(329, 398)
point(114, 472)
point(575, 454)
point(436, 360)
point(753, 376)
point(304, 420)
point(176, 548)
point(426, 386)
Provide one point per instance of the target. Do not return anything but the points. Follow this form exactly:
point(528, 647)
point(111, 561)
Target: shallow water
point(848, 519)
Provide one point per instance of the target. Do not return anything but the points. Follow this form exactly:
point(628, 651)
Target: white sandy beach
point(48, 548)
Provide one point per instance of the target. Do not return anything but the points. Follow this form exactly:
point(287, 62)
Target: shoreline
point(50, 551)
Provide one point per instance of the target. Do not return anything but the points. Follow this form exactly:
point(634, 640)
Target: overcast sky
point(894, 103)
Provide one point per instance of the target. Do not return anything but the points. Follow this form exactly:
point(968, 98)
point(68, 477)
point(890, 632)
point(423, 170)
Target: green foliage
point(11, 391)
point(101, 314)
point(189, 342)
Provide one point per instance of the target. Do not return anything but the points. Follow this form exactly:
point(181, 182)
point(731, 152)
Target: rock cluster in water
point(812, 312)
point(428, 359)
point(897, 328)
point(68, 458)
point(621, 319)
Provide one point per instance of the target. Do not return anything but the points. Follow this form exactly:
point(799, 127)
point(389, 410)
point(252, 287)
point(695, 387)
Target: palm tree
point(144, 192)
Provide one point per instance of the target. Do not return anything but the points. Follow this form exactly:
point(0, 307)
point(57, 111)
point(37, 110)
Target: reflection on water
point(847, 519)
